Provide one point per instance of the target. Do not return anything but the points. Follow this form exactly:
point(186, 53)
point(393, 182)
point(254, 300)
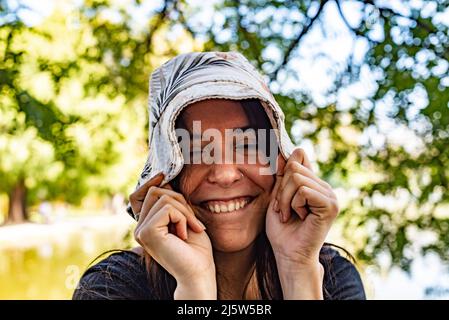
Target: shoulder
point(122, 275)
point(341, 279)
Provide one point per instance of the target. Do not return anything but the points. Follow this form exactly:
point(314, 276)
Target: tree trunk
point(17, 212)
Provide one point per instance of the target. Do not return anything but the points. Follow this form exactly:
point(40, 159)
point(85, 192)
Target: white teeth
point(229, 206)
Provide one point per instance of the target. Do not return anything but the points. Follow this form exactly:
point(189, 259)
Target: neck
point(235, 271)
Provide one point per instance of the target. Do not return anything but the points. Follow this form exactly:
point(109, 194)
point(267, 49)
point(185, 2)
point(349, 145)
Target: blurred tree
point(398, 177)
point(68, 126)
point(391, 85)
point(72, 89)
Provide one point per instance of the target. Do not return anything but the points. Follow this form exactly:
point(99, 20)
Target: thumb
point(280, 164)
point(277, 184)
point(273, 217)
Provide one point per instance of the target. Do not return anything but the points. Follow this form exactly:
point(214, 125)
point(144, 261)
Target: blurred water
point(45, 261)
point(39, 261)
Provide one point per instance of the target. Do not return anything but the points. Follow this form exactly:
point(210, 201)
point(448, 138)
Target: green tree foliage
point(386, 147)
point(64, 133)
point(400, 189)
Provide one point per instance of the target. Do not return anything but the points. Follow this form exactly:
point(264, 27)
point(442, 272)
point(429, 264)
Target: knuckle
point(180, 198)
point(152, 190)
point(298, 152)
point(132, 198)
point(293, 166)
point(189, 216)
point(164, 198)
point(297, 178)
point(138, 235)
point(167, 208)
point(297, 207)
point(332, 208)
point(288, 166)
point(302, 190)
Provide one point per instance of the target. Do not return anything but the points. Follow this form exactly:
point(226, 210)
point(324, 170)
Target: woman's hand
point(301, 212)
point(171, 234)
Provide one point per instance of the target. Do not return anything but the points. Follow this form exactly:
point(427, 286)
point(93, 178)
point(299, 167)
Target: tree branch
point(255, 53)
point(419, 22)
point(340, 11)
point(182, 18)
point(296, 41)
point(161, 15)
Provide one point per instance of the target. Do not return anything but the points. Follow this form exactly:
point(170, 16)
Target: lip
point(249, 197)
point(221, 201)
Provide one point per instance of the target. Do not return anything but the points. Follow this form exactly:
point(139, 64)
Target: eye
point(246, 147)
point(195, 151)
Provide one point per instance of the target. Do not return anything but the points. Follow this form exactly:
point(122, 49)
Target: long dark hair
point(164, 284)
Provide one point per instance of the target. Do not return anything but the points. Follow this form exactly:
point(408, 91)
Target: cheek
point(265, 182)
point(189, 181)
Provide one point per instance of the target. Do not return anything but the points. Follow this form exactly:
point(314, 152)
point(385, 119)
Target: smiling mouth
point(226, 206)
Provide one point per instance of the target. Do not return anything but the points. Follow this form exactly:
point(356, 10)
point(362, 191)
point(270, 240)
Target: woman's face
point(230, 198)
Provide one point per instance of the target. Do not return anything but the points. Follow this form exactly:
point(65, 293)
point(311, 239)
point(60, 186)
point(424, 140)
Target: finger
point(299, 203)
point(300, 155)
point(169, 214)
point(274, 203)
point(192, 221)
point(280, 164)
point(160, 225)
point(277, 184)
point(318, 203)
point(295, 166)
point(167, 186)
point(285, 194)
point(154, 193)
point(137, 197)
point(273, 211)
point(181, 199)
point(307, 180)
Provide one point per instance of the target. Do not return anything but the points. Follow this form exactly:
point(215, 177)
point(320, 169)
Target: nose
point(225, 175)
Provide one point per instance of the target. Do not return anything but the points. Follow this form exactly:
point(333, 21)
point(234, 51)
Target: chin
point(231, 241)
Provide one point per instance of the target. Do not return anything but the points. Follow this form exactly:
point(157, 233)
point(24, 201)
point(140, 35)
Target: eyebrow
point(243, 128)
point(234, 129)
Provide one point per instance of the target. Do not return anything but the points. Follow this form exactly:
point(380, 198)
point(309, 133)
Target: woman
point(221, 213)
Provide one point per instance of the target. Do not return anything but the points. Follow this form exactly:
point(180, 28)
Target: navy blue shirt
point(123, 275)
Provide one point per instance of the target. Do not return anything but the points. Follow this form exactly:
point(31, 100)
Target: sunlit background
point(364, 86)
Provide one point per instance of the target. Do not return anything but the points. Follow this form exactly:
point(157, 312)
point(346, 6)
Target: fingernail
point(202, 225)
point(280, 217)
point(276, 205)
